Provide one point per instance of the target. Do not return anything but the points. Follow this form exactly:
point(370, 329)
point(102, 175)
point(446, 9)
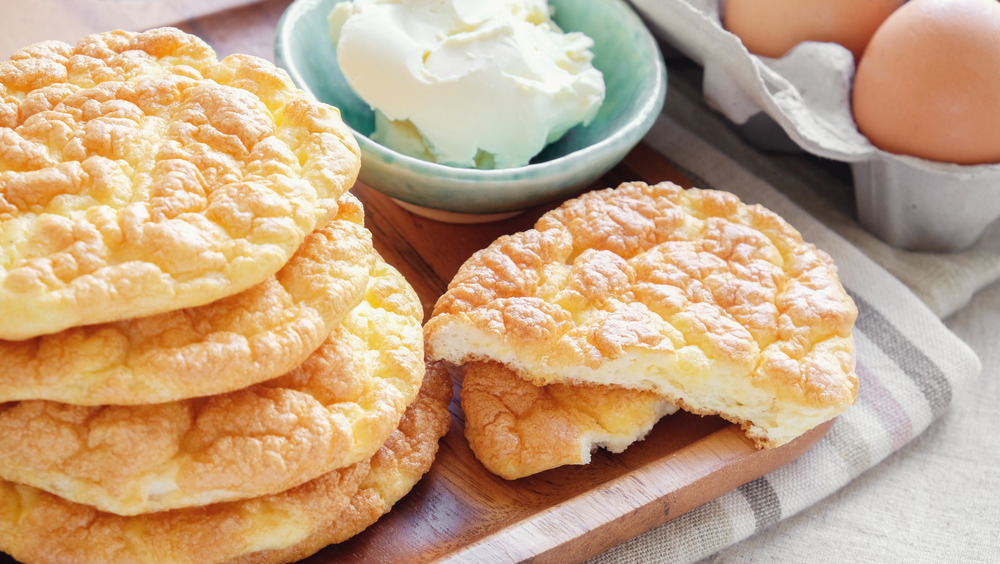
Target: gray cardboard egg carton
point(907, 202)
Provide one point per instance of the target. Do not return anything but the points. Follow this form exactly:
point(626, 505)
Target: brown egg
point(771, 27)
point(929, 83)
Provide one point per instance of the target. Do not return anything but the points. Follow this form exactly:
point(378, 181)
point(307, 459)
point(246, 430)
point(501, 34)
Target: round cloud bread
point(335, 409)
point(516, 428)
point(36, 526)
point(395, 469)
point(141, 174)
point(717, 305)
point(219, 347)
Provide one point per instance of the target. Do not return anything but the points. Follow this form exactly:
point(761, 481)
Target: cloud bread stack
point(204, 357)
point(716, 306)
point(36, 526)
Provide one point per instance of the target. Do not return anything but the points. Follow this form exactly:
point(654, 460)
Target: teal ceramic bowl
point(636, 85)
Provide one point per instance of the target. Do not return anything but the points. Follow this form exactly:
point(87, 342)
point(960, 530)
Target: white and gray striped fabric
point(909, 364)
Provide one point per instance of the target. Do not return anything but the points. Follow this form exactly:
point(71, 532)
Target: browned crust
point(140, 175)
point(219, 347)
point(335, 409)
point(517, 429)
point(395, 469)
point(42, 528)
point(711, 302)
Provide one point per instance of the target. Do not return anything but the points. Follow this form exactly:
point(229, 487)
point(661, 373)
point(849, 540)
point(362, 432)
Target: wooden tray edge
point(637, 501)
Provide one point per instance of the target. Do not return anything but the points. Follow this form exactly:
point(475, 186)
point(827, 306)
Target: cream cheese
point(470, 83)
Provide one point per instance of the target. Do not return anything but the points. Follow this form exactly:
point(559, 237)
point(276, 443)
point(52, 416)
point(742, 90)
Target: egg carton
point(805, 97)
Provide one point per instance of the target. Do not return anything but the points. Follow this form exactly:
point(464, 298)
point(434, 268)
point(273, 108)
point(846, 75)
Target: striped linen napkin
point(909, 365)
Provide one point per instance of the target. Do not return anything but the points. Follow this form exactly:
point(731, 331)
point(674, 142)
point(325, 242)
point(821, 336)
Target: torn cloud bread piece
point(238, 341)
point(335, 409)
point(141, 174)
point(517, 429)
point(717, 305)
point(39, 527)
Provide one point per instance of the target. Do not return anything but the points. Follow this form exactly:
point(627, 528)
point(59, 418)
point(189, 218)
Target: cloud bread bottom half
point(333, 410)
point(37, 527)
point(517, 429)
point(226, 345)
point(717, 305)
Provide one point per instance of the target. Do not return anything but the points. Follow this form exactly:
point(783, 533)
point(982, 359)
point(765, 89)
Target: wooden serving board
point(460, 512)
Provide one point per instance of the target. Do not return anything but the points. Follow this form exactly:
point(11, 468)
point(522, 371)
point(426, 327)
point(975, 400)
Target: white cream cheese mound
point(469, 83)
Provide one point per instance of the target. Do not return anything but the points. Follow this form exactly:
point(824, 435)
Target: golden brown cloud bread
point(717, 305)
point(36, 526)
point(335, 409)
point(395, 469)
point(516, 428)
point(139, 174)
point(222, 346)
